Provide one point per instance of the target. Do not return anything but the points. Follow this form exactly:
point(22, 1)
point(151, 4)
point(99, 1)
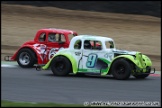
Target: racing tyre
point(61, 66)
point(121, 69)
point(142, 76)
point(26, 58)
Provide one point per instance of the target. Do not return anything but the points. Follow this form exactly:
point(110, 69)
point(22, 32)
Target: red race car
point(40, 50)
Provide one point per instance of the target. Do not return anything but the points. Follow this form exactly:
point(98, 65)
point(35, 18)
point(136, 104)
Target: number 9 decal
point(91, 60)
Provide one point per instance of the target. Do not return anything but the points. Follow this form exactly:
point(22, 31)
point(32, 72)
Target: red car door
point(55, 41)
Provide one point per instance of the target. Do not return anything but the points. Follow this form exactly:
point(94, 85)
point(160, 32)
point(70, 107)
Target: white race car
point(98, 55)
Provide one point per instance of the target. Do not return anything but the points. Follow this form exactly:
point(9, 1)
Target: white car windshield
point(109, 44)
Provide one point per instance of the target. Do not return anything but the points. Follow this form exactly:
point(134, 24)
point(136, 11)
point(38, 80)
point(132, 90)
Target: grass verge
point(5, 103)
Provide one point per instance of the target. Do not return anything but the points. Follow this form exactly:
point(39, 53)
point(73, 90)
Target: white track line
point(9, 66)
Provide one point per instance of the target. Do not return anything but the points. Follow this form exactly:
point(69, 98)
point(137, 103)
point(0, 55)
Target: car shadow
point(108, 77)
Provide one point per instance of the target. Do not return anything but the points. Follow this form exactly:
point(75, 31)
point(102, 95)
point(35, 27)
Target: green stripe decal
point(88, 70)
point(104, 71)
point(104, 60)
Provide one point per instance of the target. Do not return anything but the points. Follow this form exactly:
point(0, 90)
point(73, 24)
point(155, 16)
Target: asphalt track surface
point(29, 85)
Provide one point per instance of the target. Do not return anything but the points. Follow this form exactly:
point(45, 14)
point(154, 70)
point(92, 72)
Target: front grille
point(141, 60)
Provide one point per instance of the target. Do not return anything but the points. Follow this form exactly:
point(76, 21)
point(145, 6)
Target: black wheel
point(26, 58)
point(121, 69)
point(142, 76)
point(61, 66)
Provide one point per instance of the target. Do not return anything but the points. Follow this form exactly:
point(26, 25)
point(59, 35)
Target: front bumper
point(147, 70)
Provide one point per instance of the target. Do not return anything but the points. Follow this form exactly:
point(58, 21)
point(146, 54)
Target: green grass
point(5, 103)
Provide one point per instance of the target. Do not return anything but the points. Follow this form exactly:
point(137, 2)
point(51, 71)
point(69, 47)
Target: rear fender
point(38, 56)
point(68, 56)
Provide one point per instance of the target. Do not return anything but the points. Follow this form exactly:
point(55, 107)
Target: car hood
point(117, 51)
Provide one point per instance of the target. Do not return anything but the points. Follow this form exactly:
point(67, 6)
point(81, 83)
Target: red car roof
point(58, 30)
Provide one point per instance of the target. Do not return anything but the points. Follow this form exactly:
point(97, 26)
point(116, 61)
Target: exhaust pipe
point(7, 58)
point(38, 68)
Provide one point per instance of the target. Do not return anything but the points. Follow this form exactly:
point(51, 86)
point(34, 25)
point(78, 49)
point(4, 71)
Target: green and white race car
point(89, 54)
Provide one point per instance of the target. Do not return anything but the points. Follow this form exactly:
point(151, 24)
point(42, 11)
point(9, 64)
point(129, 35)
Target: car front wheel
point(121, 69)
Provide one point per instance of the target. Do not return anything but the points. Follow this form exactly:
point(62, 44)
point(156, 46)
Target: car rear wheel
point(26, 58)
point(121, 69)
point(61, 66)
